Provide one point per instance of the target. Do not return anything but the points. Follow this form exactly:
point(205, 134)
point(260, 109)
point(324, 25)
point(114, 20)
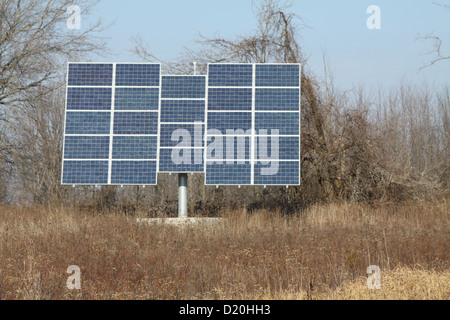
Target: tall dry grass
point(322, 253)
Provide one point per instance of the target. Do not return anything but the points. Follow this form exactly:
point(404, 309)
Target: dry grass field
point(322, 253)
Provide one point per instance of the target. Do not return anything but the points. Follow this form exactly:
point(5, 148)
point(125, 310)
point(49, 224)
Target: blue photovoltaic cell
point(136, 123)
point(85, 172)
point(139, 75)
point(89, 98)
point(181, 160)
point(136, 99)
point(190, 87)
point(227, 174)
point(133, 172)
point(135, 148)
point(277, 173)
point(285, 123)
point(230, 75)
point(282, 148)
point(86, 148)
point(228, 148)
point(90, 74)
point(182, 111)
point(230, 99)
point(277, 75)
point(225, 121)
point(277, 100)
point(88, 123)
point(182, 135)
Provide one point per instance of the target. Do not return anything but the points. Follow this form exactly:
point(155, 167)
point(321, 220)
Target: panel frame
point(207, 111)
point(192, 148)
point(111, 134)
point(254, 136)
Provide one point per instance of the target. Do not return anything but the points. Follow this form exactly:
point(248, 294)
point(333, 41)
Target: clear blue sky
point(356, 55)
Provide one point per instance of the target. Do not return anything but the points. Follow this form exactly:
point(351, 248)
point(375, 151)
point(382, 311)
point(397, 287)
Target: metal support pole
point(182, 195)
point(183, 184)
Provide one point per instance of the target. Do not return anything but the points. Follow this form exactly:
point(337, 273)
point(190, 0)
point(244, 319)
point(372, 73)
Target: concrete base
point(182, 222)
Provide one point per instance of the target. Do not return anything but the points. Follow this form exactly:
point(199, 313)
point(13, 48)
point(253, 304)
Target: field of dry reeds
point(321, 253)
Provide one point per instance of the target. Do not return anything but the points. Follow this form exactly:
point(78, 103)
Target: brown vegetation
point(321, 253)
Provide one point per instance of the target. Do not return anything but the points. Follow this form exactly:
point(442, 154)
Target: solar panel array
point(240, 124)
point(112, 118)
point(253, 124)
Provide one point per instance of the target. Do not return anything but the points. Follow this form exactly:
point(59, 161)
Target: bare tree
point(36, 133)
point(35, 40)
point(276, 39)
point(348, 152)
point(437, 44)
point(35, 45)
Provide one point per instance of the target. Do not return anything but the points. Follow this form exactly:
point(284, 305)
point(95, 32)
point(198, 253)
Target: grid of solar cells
point(251, 124)
point(222, 99)
point(277, 173)
point(278, 75)
point(277, 124)
point(134, 172)
point(182, 128)
point(95, 74)
point(226, 174)
point(189, 111)
point(183, 87)
point(85, 172)
point(185, 135)
point(86, 148)
point(229, 121)
point(229, 124)
point(112, 120)
point(228, 148)
point(285, 123)
point(181, 160)
point(91, 123)
point(135, 147)
point(261, 101)
point(230, 75)
point(136, 123)
point(137, 75)
point(286, 148)
point(87, 123)
point(136, 99)
point(89, 98)
point(277, 99)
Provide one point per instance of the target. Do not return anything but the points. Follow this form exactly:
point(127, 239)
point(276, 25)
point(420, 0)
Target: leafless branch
point(437, 44)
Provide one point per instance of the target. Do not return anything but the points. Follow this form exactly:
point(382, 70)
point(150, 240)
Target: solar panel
point(182, 128)
point(253, 124)
point(112, 124)
point(124, 123)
